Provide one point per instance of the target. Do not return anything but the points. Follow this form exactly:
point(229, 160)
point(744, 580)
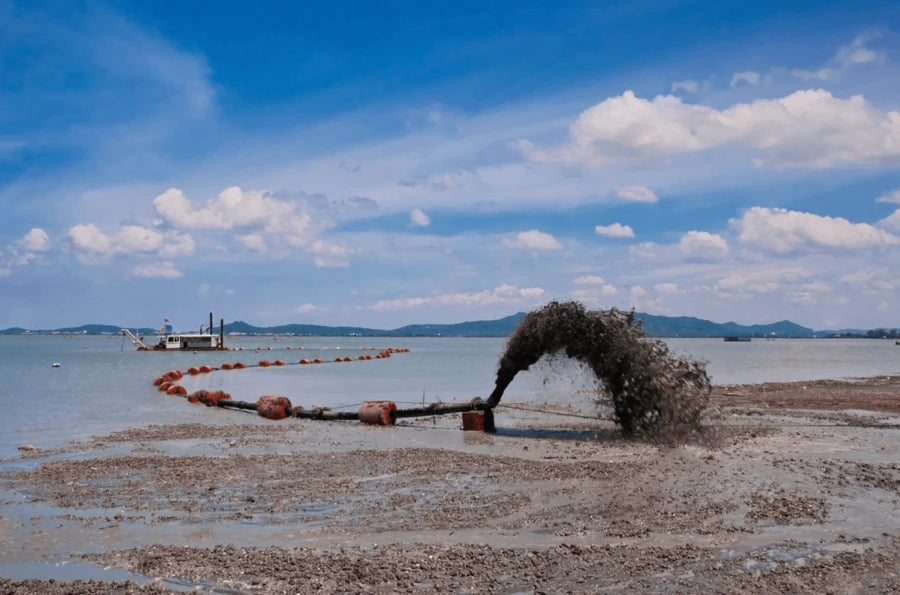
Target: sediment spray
point(654, 392)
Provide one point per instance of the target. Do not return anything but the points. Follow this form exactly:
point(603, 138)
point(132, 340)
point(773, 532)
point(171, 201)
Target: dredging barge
point(170, 341)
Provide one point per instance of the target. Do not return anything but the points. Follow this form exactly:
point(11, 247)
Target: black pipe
point(329, 415)
point(441, 409)
point(236, 404)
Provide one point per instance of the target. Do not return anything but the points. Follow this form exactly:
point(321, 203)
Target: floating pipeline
point(276, 407)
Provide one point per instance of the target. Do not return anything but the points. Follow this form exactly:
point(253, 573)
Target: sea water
point(102, 384)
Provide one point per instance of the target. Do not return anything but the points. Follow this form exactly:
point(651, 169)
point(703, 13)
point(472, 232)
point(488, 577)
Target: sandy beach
point(797, 488)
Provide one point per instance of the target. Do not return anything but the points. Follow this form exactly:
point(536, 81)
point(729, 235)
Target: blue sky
point(347, 163)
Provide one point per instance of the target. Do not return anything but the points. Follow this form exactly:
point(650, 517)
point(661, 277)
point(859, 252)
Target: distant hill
point(686, 326)
point(300, 329)
point(654, 326)
point(85, 329)
point(478, 328)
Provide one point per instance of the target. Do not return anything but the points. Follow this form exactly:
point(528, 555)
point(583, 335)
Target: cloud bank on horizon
point(381, 167)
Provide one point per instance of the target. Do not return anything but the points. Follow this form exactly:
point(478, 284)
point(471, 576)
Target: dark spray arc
point(653, 392)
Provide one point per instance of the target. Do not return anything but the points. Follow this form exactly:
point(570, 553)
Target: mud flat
point(797, 489)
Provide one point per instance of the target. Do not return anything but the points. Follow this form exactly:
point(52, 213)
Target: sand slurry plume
point(799, 491)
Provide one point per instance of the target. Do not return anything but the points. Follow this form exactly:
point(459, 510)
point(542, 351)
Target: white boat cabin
point(191, 341)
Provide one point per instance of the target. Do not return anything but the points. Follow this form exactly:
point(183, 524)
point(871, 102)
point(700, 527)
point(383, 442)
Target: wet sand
point(796, 489)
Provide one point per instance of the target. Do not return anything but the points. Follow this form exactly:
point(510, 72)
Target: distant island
point(654, 326)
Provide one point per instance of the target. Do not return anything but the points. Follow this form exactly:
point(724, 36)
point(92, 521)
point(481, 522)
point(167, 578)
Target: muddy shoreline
point(797, 490)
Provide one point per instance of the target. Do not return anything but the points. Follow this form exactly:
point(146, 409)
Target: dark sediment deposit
point(653, 392)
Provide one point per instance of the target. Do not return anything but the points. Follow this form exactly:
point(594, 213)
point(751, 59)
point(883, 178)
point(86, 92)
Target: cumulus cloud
point(533, 240)
point(134, 238)
point(637, 292)
point(164, 270)
point(305, 308)
point(892, 196)
point(88, 236)
point(636, 194)
point(235, 208)
point(750, 77)
point(502, 294)
point(418, 217)
point(702, 245)
point(130, 239)
point(595, 284)
point(615, 230)
point(809, 128)
point(783, 231)
point(36, 240)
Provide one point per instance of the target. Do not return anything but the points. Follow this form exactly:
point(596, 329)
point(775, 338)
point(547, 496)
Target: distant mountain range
point(654, 325)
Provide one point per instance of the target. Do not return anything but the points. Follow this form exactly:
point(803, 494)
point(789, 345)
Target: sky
point(384, 164)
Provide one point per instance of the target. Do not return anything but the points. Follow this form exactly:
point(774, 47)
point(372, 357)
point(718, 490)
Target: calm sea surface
point(103, 384)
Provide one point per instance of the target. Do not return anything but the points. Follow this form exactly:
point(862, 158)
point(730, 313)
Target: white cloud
point(502, 294)
point(36, 240)
point(872, 280)
point(597, 285)
point(846, 57)
point(892, 196)
point(130, 239)
point(590, 280)
point(856, 51)
point(817, 287)
point(636, 194)
point(688, 86)
point(648, 250)
point(88, 236)
point(305, 308)
point(750, 77)
point(236, 208)
point(615, 230)
point(668, 288)
point(804, 129)
point(892, 220)
point(163, 269)
point(533, 240)
point(134, 238)
point(782, 231)
point(253, 241)
point(801, 298)
point(176, 244)
point(702, 245)
point(763, 280)
point(637, 292)
point(328, 255)
point(417, 217)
